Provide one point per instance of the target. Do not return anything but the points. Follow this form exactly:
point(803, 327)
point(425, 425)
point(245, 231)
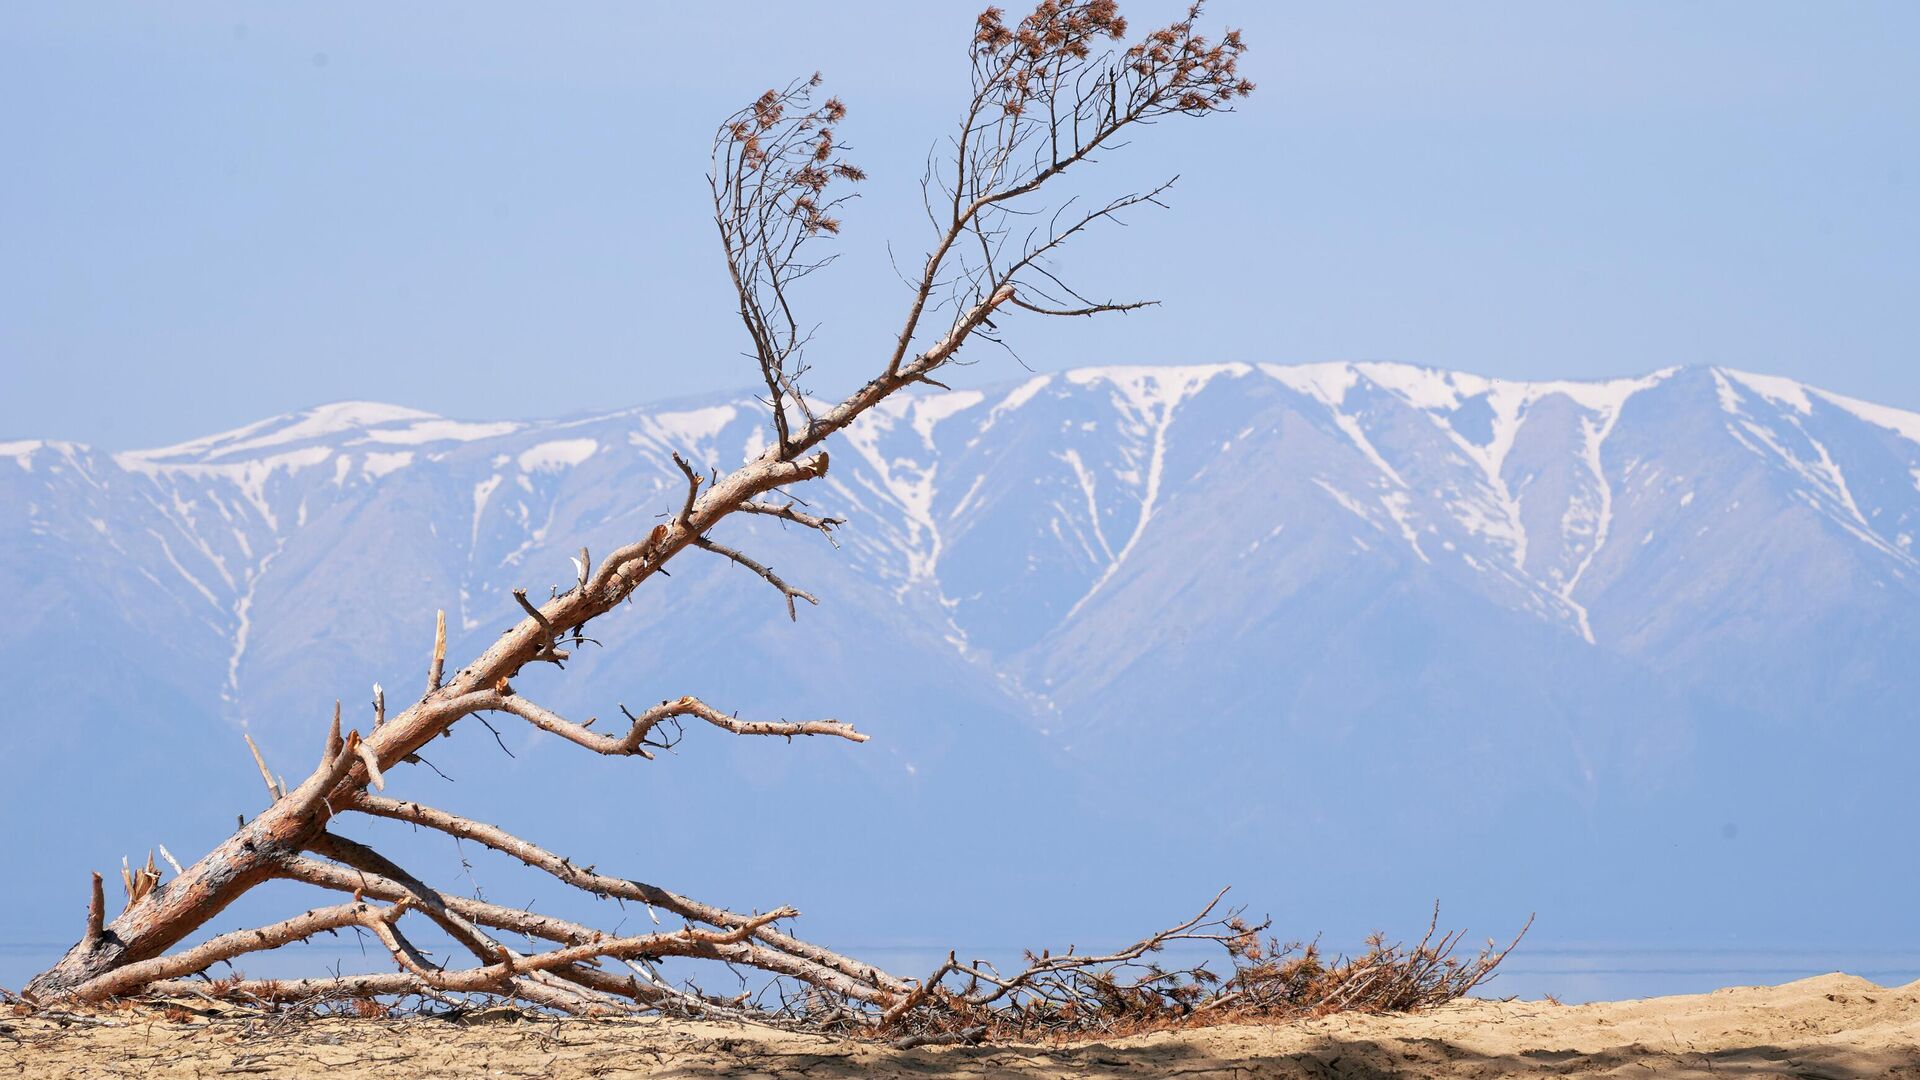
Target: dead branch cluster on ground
point(1132, 990)
point(1049, 93)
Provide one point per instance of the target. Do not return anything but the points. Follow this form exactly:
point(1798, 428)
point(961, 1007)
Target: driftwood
point(1048, 94)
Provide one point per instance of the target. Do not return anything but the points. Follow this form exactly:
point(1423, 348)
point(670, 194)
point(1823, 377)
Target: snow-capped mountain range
point(1513, 643)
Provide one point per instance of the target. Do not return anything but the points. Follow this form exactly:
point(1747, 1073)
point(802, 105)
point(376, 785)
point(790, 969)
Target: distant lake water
point(1570, 973)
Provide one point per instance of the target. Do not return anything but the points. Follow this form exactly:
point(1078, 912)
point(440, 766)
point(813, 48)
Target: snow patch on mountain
point(250, 476)
point(933, 408)
point(21, 452)
point(243, 628)
point(556, 454)
point(429, 431)
point(1899, 421)
point(1149, 398)
point(690, 427)
point(1154, 391)
point(1800, 398)
point(1827, 489)
point(1015, 398)
point(1439, 464)
point(1774, 388)
point(315, 423)
point(377, 464)
point(1326, 383)
point(908, 483)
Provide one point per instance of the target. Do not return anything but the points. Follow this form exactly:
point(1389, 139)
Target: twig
point(786, 512)
point(372, 761)
point(439, 665)
point(546, 650)
point(788, 592)
point(266, 777)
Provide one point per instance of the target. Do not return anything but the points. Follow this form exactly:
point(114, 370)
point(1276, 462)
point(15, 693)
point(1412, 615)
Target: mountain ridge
point(1780, 388)
point(1479, 419)
point(1573, 614)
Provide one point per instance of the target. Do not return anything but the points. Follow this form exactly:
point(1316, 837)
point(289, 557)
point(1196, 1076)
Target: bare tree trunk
point(1045, 99)
point(177, 908)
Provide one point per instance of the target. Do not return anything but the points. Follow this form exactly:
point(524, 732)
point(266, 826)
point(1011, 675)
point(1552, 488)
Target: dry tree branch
point(353, 877)
point(96, 910)
point(437, 669)
point(367, 873)
point(775, 164)
point(1048, 94)
point(512, 975)
point(634, 742)
point(787, 592)
point(266, 776)
point(693, 490)
point(239, 942)
point(786, 512)
point(1048, 967)
point(1046, 99)
point(587, 879)
point(546, 650)
point(429, 901)
point(295, 991)
point(769, 949)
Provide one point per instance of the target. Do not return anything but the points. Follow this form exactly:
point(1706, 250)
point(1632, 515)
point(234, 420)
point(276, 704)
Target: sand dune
point(1832, 1026)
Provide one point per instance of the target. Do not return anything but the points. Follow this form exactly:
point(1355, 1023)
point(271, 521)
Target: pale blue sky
point(212, 212)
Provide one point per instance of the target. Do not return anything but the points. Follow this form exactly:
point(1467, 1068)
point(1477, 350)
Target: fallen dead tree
point(1049, 93)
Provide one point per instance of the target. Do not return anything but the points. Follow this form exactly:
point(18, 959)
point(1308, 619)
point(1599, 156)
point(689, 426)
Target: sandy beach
point(1832, 1026)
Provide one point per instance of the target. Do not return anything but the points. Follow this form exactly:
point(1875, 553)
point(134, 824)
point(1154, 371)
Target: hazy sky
point(211, 212)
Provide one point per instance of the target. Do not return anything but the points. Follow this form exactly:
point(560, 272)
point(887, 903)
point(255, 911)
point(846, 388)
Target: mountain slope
point(1517, 644)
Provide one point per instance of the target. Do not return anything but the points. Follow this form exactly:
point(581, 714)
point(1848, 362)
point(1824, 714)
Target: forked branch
point(238, 943)
point(635, 741)
point(824, 524)
point(787, 592)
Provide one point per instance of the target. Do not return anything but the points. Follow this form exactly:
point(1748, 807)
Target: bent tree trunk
point(173, 910)
point(1048, 94)
point(177, 908)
